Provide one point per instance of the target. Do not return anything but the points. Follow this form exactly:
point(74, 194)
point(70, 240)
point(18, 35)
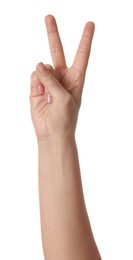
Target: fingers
point(50, 68)
point(47, 94)
point(53, 86)
point(83, 52)
point(55, 44)
point(36, 87)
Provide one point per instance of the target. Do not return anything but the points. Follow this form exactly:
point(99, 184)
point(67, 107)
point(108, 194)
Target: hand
point(55, 93)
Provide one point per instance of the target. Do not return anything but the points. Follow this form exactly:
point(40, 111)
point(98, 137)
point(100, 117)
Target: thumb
point(50, 82)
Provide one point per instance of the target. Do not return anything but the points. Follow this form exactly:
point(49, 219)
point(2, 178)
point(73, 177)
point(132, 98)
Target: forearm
point(66, 231)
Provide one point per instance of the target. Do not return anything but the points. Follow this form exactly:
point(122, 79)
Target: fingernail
point(41, 67)
point(40, 88)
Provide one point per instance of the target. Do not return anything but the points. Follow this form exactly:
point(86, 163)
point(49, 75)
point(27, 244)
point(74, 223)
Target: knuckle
point(33, 76)
point(83, 50)
point(49, 66)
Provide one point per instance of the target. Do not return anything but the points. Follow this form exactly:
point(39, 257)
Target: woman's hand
point(55, 93)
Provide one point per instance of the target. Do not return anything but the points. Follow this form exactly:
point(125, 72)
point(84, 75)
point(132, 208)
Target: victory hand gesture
point(55, 93)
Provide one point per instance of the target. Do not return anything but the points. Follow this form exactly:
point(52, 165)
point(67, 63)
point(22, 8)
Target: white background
point(105, 125)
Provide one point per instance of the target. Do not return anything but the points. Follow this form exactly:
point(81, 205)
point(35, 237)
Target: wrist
point(55, 141)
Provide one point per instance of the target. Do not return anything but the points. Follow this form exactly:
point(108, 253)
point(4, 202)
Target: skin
point(55, 100)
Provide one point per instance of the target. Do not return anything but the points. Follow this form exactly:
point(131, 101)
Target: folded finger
point(36, 87)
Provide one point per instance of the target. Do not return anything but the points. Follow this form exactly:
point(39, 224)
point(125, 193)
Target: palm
point(72, 79)
point(72, 82)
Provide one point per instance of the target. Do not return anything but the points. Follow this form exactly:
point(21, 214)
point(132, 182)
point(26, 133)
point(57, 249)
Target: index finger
point(83, 52)
point(55, 44)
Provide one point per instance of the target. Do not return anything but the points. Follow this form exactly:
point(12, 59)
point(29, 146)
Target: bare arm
point(65, 226)
point(66, 231)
